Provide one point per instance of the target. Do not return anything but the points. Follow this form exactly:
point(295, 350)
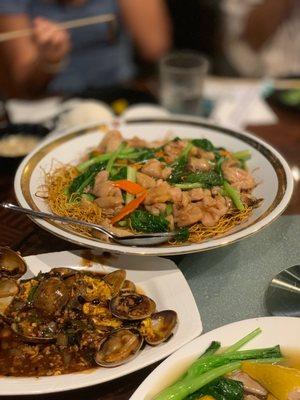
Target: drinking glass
point(182, 76)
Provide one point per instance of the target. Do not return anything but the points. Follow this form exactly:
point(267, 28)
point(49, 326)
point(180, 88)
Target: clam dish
point(68, 320)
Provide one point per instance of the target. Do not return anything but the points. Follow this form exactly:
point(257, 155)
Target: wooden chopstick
point(75, 23)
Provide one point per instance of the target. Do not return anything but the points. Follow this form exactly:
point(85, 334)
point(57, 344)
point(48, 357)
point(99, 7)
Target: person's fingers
point(53, 43)
point(56, 40)
point(41, 24)
point(60, 40)
point(59, 43)
point(43, 33)
point(38, 20)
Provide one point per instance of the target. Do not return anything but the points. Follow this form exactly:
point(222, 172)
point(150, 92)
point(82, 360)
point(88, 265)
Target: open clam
point(115, 280)
point(128, 287)
point(62, 272)
point(8, 287)
point(11, 263)
point(132, 306)
point(119, 347)
point(51, 296)
point(158, 328)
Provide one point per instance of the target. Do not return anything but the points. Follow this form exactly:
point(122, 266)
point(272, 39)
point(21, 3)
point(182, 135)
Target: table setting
point(205, 282)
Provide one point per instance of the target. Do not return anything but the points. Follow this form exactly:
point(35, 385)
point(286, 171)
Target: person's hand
point(53, 43)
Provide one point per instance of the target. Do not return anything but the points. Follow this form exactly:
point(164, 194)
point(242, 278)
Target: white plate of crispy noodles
point(201, 208)
point(158, 278)
point(276, 377)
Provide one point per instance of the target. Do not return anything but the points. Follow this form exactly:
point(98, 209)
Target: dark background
point(197, 25)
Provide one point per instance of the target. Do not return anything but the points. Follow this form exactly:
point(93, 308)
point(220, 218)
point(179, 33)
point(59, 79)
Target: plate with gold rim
point(268, 167)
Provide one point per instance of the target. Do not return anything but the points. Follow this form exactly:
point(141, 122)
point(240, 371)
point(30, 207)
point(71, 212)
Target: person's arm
point(263, 21)
point(148, 23)
point(29, 63)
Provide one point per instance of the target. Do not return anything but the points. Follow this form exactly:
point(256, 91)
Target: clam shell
point(115, 280)
point(11, 263)
point(161, 326)
point(51, 296)
point(132, 306)
point(119, 347)
point(8, 287)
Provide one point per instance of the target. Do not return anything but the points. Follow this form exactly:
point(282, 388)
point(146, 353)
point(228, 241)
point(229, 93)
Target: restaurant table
point(212, 276)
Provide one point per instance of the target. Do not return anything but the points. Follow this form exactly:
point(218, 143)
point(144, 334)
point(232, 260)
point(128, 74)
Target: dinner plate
point(275, 330)
point(157, 277)
point(270, 170)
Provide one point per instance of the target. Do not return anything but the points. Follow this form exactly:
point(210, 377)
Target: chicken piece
point(185, 199)
point(200, 153)
point(137, 142)
point(198, 164)
point(239, 178)
point(198, 194)
point(180, 197)
point(101, 177)
point(209, 210)
point(158, 194)
point(110, 142)
point(251, 397)
point(176, 194)
point(174, 149)
point(213, 209)
point(185, 216)
point(108, 195)
point(140, 143)
point(152, 168)
point(166, 172)
point(144, 180)
point(100, 180)
point(156, 169)
point(250, 385)
point(156, 209)
point(163, 192)
point(112, 201)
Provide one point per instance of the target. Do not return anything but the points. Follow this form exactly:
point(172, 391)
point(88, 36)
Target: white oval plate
point(275, 330)
point(157, 277)
point(268, 167)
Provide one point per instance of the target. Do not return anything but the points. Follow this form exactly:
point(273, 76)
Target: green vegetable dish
point(188, 185)
point(234, 374)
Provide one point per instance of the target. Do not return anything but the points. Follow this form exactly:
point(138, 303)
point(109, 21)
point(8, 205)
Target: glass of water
point(182, 76)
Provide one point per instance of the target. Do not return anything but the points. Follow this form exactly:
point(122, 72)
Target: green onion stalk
point(234, 194)
point(123, 154)
point(186, 387)
point(242, 155)
point(113, 157)
point(131, 176)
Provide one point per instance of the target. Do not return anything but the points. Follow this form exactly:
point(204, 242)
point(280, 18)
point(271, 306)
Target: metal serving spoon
point(147, 239)
point(283, 293)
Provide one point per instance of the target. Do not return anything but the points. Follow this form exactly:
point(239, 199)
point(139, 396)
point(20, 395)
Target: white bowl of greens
point(192, 371)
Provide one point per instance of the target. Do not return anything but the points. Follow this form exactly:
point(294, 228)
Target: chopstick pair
point(75, 23)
